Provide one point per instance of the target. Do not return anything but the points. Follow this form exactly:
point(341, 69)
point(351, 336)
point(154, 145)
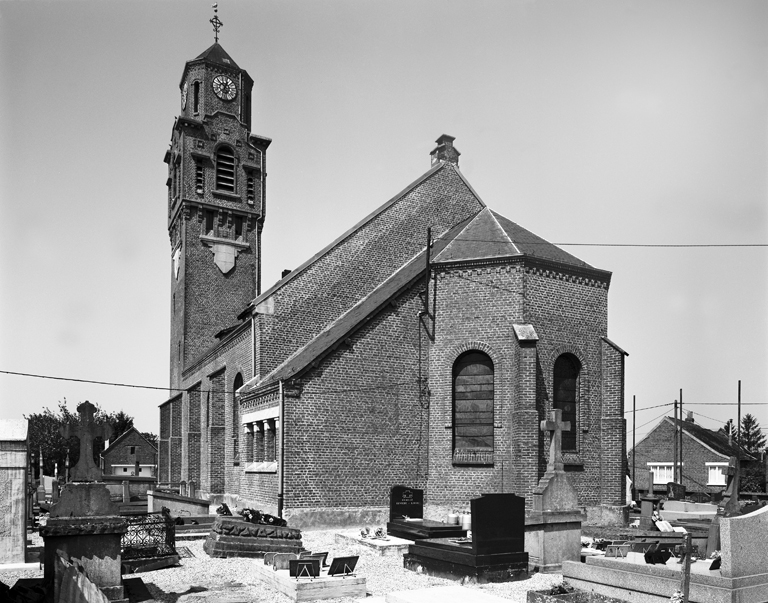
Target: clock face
point(184, 96)
point(224, 87)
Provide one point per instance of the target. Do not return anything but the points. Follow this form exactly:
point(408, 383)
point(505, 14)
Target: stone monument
point(406, 517)
point(13, 491)
point(553, 527)
point(84, 526)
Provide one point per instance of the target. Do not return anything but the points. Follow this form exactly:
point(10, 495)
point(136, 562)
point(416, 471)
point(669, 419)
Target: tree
point(45, 436)
point(752, 437)
point(150, 437)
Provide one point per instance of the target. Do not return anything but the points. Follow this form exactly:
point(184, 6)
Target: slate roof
point(490, 236)
point(216, 54)
point(714, 439)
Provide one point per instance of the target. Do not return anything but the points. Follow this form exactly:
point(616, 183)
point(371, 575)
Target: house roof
point(490, 236)
point(123, 436)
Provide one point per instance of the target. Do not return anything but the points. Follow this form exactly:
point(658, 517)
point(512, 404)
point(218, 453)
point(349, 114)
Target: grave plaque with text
point(406, 502)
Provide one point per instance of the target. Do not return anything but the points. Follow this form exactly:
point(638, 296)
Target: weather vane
point(216, 22)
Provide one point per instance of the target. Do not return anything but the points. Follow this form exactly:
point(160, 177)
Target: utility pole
point(634, 424)
point(738, 424)
point(682, 419)
point(674, 453)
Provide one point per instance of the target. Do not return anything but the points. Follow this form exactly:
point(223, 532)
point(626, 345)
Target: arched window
point(236, 427)
point(225, 169)
point(566, 396)
point(196, 96)
point(473, 409)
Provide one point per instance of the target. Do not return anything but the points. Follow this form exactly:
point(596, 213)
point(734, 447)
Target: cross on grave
point(86, 470)
point(555, 426)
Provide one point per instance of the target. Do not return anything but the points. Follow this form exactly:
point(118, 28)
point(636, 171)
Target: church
point(422, 347)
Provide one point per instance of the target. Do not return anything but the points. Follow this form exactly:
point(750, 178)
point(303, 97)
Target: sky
point(599, 122)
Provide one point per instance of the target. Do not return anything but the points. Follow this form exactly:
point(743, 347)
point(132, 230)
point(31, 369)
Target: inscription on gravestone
point(406, 502)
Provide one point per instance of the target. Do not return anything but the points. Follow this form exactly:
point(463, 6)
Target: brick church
point(422, 347)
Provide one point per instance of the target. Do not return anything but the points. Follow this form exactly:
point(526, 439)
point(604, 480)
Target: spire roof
point(216, 54)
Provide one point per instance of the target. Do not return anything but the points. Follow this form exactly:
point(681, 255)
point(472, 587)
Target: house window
point(196, 97)
point(125, 469)
point(663, 473)
point(238, 234)
point(473, 409)
point(209, 222)
point(566, 396)
point(225, 169)
point(716, 474)
point(250, 190)
point(132, 449)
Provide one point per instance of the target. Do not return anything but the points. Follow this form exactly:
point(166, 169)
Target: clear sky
point(586, 122)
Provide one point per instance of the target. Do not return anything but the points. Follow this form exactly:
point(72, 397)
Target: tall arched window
point(236, 427)
point(473, 409)
point(566, 396)
point(225, 169)
point(196, 97)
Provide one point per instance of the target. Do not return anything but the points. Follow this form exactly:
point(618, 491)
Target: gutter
point(281, 450)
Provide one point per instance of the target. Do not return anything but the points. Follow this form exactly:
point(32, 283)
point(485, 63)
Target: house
point(130, 455)
point(705, 457)
point(423, 347)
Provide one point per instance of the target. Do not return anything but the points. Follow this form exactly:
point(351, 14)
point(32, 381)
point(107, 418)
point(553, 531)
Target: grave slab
point(233, 537)
point(306, 589)
point(406, 517)
point(384, 548)
point(443, 594)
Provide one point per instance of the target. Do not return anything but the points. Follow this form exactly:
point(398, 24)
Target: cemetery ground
point(202, 579)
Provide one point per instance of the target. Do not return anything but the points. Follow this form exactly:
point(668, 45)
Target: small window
point(225, 170)
point(663, 473)
point(716, 474)
point(196, 97)
point(251, 192)
point(209, 222)
point(132, 449)
point(238, 227)
point(199, 177)
point(473, 409)
point(125, 469)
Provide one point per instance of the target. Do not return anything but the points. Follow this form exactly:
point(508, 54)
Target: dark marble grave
point(493, 554)
point(406, 517)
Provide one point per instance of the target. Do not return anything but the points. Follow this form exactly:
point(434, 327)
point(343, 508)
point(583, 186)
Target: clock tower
point(216, 204)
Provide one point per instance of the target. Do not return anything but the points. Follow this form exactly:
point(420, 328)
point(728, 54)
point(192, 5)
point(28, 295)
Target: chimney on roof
point(286, 273)
point(689, 418)
point(445, 151)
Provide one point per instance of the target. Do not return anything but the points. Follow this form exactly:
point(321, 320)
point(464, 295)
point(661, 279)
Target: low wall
point(137, 486)
point(178, 505)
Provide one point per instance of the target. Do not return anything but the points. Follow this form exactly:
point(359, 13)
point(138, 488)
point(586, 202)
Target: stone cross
point(86, 470)
point(556, 426)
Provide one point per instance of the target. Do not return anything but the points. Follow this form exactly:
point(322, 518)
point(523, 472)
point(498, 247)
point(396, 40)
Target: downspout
point(281, 449)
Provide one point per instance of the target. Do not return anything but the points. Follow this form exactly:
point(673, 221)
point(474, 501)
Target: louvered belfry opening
point(225, 170)
point(473, 409)
point(566, 396)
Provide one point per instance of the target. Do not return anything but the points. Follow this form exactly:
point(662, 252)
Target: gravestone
point(553, 532)
point(235, 537)
point(728, 505)
point(84, 526)
point(13, 490)
point(494, 553)
point(406, 517)
point(675, 491)
point(648, 504)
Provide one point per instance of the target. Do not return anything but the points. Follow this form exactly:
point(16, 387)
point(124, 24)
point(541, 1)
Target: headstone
point(126, 491)
point(406, 502)
point(730, 501)
point(40, 494)
point(86, 470)
point(55, 491)
point(13, 490)
point(495, 553)
point(675, 491)
point(84, 526)
point(406, 517)
point(553, 532)
point(648, 504)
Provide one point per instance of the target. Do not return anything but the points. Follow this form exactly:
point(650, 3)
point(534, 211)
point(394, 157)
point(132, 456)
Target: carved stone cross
point(556, 426)
point(86, 470)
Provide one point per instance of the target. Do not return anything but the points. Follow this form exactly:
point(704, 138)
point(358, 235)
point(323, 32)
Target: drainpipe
point(281, 450)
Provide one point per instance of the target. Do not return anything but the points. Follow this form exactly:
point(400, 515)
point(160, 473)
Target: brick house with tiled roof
point(127, 452)
point(383, 359)
point(705, 457)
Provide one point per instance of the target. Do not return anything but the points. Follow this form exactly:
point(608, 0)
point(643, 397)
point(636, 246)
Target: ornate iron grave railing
point(150, 535)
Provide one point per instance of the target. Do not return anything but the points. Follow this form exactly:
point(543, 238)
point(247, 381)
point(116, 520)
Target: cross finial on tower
point(216, 22)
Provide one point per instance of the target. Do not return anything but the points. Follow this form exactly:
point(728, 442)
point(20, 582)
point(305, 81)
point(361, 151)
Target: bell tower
point(216, 203)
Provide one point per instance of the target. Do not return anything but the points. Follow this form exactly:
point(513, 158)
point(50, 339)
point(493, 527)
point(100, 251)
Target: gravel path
point(201, 579)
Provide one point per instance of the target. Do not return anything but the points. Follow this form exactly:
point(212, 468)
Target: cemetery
point(94, 550)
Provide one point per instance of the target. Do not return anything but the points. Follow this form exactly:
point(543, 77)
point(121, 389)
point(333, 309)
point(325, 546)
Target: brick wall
point(352, 269)
point(145, 453)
